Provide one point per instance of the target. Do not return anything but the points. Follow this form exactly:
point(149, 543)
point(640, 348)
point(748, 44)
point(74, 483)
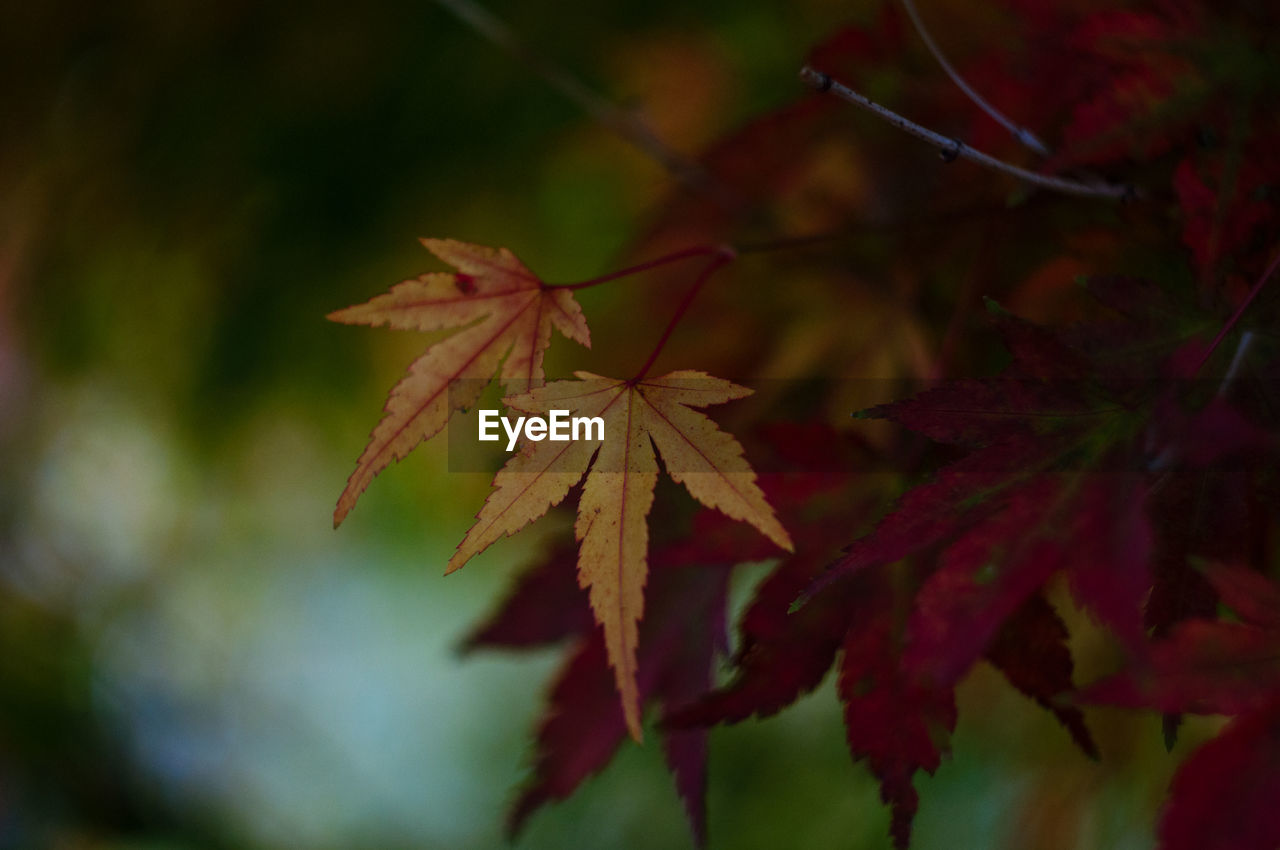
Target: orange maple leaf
point(505, 311)
point(612, 525)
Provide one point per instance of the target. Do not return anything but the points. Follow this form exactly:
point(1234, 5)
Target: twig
point(1022, 134)
point(1239, 311)
point(666, 259)
point(950, 149)
point(621, 122)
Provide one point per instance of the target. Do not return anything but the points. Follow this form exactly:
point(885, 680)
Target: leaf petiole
point(724, 254)
point(1235, 317)
point(666, 259)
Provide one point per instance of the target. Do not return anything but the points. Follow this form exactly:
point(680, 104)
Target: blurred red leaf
point(1224, 796)
point(897, 724)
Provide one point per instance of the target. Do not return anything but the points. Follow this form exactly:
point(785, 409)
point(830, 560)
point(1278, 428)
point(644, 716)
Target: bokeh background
point(190, 655)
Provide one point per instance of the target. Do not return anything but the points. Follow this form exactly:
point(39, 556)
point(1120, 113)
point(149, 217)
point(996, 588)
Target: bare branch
point(1022, 134)
point(621, 122)
point(1235, 317)
point(950, 149)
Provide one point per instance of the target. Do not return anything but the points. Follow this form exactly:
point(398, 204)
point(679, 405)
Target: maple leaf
point(1008, 517)
point(1031, 651)
point(1223, 795)
point(895, 720)
point(1087, 528)
point(896, 723)
point(583, 724)
point(782, 655)
point(612, 524)
point(1209, 666)
point(505, 314)
point(1053, 464)
point(544, 606)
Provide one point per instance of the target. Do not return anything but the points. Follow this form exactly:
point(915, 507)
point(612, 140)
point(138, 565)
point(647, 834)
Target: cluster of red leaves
point(1224, 795)
point(1125, 454)
point(1072, 467)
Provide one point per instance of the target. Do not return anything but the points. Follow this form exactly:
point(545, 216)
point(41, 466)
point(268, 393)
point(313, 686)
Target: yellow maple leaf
point(612, 525)
point(504, 310)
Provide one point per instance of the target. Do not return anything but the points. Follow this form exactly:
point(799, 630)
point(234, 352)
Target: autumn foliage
point(1075, 399)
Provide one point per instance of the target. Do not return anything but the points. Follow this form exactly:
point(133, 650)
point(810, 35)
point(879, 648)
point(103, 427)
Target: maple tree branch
point(950, 148)
point(1235, 317)
point(675, 256)
point(724, 254)
point(1022, 134)
point(781, 244)
point(767, 246)
point(625, 124)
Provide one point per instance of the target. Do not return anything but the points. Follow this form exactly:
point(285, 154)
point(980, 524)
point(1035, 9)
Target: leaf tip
point(340, 316)
point(344, 506)
point(455, 563)
point(1169, 725)
point(783, 539)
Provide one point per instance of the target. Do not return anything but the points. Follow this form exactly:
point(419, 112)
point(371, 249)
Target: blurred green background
point(190, 656)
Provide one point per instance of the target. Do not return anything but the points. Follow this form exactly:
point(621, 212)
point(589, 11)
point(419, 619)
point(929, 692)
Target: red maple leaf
point(584, 724)
point(1224, 795)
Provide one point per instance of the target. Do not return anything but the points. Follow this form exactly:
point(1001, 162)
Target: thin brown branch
point(1239, 311)
point(1022, 134)
point(622, 123)
point(951, 149)
point(666, 259)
